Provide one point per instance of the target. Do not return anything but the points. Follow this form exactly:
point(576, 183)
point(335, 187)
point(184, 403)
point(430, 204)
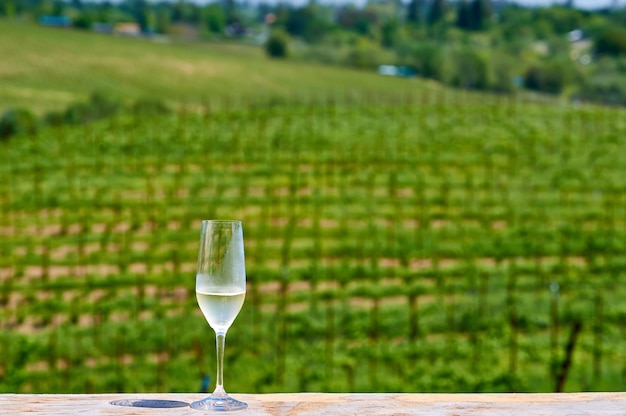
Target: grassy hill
point(399, 237)
point(49, 68)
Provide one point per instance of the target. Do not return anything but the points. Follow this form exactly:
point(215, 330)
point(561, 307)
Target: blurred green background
point(403, 234)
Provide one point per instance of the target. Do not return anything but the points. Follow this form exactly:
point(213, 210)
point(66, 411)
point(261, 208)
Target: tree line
point(491, 45)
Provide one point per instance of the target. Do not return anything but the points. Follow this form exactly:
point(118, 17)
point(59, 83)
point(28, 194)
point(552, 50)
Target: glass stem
point(220, 339)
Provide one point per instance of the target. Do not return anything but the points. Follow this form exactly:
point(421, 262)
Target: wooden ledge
point(300, 404)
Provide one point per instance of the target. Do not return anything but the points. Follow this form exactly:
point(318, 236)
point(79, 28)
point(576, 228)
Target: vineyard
point(426, 241)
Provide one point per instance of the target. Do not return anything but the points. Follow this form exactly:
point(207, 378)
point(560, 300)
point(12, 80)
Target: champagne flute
point(220, 290)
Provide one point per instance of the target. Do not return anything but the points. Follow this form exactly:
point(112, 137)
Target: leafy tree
point(281, 15)
point(297, 20)
point(8, 8)
point(277, 44)
point(139, 9)
point(304, 22)
point(514, 23)
point(562, 19)
point(469, 70)
point(604, 89)
point(98, 106)
point(214, 18)
point(389, 33)
point(361, 21)
point(611, 41)
point(414, 12)
point(426, 57)
point(230, 8)
point(480, 14)
point(82, 21)
point(185, 12)
point(463, 15)
point(262, 10)
point(550, 77)
point(503, 70)
point(162, 21)
point(365, 54)
point(473, 15)
point(438, 10)
point(17, 121)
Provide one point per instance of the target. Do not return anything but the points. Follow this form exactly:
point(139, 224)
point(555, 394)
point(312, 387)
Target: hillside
point(50, 68)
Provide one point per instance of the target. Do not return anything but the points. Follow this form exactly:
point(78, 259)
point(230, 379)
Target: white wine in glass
point(220, 290)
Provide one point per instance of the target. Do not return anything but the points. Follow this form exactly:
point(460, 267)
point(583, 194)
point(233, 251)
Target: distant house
point(580, 47)
point(575, 35)
point(396, 71)
point(236, 29)
point(127, 29)
point(101, 27)
point(55, 21)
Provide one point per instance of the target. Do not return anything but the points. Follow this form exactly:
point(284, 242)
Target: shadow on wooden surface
point(153, 404)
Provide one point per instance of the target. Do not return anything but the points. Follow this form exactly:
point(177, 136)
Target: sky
point(583, 4)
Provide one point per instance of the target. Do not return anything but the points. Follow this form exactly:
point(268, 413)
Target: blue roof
point(55, 20)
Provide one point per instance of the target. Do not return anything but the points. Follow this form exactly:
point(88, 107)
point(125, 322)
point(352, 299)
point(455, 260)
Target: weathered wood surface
point(174, 404)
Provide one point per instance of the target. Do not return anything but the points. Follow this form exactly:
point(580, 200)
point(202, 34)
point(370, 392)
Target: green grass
point(396, 240)
point(54, 68)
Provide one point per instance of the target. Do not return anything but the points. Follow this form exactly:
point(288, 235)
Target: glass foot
point(219, 403)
